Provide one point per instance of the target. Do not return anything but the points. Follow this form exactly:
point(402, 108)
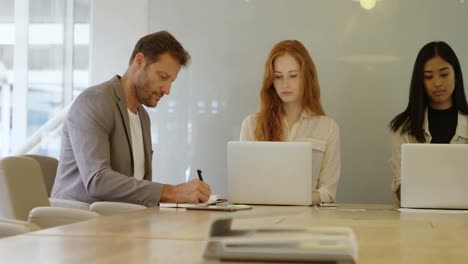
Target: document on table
point(221, 207)
point(213, 200)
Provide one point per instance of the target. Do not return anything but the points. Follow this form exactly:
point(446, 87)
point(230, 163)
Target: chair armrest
point(56, 202)
point(46, 217)
point(111, 208)
point(9, 227)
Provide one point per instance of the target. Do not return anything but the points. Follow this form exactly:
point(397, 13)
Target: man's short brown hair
point(158, 43)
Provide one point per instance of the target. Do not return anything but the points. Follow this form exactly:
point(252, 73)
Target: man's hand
point(194, 191)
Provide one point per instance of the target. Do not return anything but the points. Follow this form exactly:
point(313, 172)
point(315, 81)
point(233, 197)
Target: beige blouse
point(324, 133)
point(460, 137)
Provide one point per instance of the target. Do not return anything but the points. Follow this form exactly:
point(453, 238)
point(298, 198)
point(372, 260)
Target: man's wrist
point(167, 194)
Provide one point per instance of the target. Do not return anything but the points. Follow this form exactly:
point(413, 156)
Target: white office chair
point(10, 227)
point(48, 167)
point(23, 196)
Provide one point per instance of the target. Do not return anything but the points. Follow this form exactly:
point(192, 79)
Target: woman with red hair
point(290, 110)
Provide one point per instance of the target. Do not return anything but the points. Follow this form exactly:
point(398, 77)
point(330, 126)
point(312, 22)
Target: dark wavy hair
point(155, 44)
point(411, 120)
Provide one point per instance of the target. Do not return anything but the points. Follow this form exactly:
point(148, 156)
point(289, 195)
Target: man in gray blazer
point(106, 143)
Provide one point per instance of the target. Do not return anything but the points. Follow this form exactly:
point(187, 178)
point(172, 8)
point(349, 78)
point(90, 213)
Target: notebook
point(278, 173)
point(226, 206)
point(434, 176)
point(213, 200)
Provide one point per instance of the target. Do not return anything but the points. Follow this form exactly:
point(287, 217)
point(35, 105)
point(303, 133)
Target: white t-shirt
point(137, 145)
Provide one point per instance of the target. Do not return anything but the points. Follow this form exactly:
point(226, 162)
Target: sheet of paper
point(221, 207)
point(214, 199)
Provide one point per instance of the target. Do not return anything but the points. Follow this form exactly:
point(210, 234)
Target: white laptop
point(277, 173)
point(434, 176)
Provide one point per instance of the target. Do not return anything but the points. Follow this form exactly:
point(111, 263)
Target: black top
point(442, 124)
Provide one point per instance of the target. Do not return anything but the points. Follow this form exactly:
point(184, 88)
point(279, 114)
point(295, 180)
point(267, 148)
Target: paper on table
point(432, 211)
point(221, 207)
point(214, 199)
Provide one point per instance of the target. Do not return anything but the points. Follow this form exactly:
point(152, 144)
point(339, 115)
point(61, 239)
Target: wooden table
point(178, 236)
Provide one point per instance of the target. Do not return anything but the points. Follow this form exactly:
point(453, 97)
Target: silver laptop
point(277, 173)
point(434, 176)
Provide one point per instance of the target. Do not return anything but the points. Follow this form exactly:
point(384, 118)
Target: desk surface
point(178, 236)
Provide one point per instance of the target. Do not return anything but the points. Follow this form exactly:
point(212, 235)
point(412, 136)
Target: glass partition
point(364, 52)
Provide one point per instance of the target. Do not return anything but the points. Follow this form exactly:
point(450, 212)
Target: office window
point(81, 46)
point(54, 35)
point(6, 67)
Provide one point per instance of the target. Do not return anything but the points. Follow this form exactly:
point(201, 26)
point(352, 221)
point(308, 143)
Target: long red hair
point(269, 120)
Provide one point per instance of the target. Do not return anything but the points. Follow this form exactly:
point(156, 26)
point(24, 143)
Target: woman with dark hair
point(437, 110)
point(290, 110)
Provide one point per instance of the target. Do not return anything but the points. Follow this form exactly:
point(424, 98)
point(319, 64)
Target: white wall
point(364, 60)
point(116, 26)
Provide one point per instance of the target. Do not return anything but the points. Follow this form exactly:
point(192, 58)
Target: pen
point(199, 175)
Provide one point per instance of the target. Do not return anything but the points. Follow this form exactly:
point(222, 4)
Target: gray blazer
point(96, 161)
